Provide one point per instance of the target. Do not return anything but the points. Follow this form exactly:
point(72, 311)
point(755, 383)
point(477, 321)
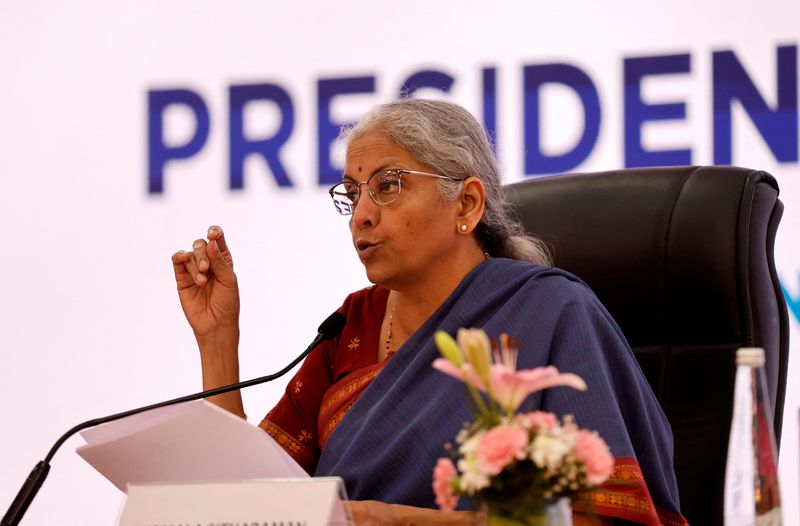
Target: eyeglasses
point(384, 187)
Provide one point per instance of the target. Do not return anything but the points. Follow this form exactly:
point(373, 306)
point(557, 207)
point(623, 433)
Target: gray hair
point(447, 138)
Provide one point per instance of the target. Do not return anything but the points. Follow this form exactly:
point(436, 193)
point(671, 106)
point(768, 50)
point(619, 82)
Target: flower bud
point(448, 348)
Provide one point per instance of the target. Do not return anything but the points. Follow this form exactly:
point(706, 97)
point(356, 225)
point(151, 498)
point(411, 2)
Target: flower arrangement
point(514, 463)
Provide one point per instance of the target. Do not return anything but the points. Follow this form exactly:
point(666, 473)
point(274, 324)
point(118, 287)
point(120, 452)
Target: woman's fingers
point(206, 257)
point(186, 271)
point(216, 235)
point(220, 260)
point(215, 232)
point(182, 276)
point(200, 278)
point(200, 256)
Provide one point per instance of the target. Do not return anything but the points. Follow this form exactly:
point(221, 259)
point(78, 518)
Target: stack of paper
point(190, 442)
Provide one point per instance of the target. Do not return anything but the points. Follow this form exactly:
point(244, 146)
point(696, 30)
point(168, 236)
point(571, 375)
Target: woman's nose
point(366, 211)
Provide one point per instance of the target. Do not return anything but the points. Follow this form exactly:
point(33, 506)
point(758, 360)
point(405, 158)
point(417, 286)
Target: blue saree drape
point(388, 442)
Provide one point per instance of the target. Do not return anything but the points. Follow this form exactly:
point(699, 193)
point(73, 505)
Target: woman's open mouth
point(366, 248)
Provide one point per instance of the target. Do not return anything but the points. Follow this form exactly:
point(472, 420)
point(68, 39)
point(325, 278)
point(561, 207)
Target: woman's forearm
point(219, 360)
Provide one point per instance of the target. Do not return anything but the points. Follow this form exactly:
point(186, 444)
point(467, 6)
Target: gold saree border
point(299, 451)
point(624, 495)
point(348, 388)
point(341, 394)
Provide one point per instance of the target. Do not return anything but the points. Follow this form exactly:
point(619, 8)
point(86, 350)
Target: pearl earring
point(463, 228)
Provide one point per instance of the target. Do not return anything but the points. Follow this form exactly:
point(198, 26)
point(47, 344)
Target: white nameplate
point(285, 502)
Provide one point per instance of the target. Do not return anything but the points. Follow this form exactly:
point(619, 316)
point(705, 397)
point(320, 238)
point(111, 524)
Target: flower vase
point(556, 513)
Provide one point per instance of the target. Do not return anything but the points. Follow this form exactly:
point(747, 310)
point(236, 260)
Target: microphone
point(329, 329)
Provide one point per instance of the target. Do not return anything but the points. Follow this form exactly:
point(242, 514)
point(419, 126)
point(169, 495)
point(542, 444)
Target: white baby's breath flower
point(462, 436)
point(549, 449)
point(473, 479)
point(469, 443)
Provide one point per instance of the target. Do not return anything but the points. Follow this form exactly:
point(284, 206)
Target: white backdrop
point(89, 319)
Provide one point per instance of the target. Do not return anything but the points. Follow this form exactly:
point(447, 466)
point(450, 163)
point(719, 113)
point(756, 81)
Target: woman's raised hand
point(207, 285)
point(209, 294)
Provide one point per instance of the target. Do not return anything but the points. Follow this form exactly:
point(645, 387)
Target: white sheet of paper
point(190, 442)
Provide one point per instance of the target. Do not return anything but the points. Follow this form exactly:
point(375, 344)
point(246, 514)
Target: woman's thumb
point(221, 264)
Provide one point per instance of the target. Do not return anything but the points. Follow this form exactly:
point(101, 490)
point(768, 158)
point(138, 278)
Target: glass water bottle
point(751, 474)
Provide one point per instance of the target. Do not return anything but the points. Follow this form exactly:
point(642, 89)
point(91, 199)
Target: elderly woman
point(430, 225)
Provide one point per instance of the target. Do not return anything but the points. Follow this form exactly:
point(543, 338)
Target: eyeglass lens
point(383, 188)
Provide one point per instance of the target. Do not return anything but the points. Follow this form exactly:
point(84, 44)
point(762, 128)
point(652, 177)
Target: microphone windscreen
point(332, 326)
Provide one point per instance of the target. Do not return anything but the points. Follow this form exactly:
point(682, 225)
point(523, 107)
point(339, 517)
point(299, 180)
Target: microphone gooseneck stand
point(329, 328)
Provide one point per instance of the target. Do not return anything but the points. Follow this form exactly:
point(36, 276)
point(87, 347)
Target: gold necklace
point(389, 329)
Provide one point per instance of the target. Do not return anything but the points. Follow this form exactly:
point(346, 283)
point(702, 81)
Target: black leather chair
point(682, 257)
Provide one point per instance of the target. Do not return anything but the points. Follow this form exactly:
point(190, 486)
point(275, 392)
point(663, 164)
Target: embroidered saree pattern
point(625, 496)
point(341, 397)
point(330, 381)
point(300, 452)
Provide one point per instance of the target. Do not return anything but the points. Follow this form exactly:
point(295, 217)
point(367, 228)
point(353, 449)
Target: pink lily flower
point(507, 386)
point(510, 387)
point(465, 373)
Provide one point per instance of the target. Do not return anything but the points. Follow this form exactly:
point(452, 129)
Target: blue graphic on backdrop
point(637, 112)
point(536, 162)
point(327, 128)
point(792, 303)
point(731, 84)
point(269, 148)
point(778, 127)
point(159, 153)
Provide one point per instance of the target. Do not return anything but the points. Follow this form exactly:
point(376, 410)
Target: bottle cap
point(751, 356)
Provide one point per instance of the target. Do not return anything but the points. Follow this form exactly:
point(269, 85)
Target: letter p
point(159, 153)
